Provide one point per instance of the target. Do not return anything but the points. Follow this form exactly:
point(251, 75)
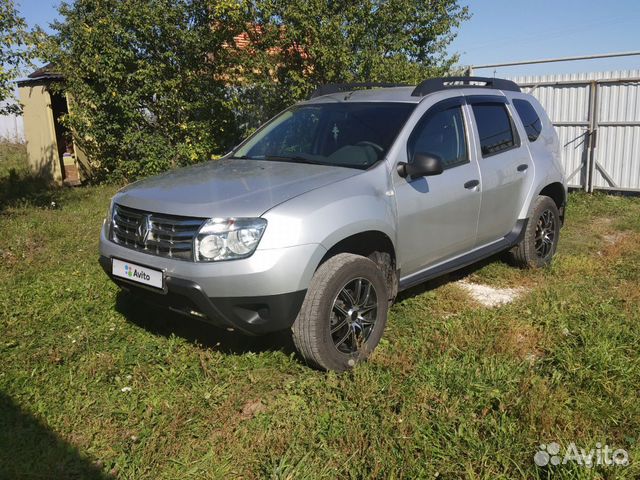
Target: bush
point(161, 83)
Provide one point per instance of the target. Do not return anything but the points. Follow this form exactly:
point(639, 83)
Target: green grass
point(18, 184)
point(12, 157)
point(454, 390)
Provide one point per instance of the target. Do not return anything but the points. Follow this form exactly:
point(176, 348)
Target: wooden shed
point(50, 148)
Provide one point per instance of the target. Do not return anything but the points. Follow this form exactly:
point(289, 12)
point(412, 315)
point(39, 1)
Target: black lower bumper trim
point(251, 315)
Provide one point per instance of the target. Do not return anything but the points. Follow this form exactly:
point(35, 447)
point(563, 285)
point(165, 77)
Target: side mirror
point(423, 165)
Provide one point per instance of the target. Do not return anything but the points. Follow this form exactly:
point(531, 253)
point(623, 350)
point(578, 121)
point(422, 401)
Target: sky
point(514, 30)
point(502, 31)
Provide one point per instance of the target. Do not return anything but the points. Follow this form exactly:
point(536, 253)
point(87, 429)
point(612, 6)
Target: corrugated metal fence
point(597, 116)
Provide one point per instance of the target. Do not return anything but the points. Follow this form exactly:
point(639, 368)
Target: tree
point(157, 83)
point(325, 41)
point(15, 53)
point(147, 79)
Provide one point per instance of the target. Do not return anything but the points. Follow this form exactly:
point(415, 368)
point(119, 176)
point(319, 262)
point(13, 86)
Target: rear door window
point(495, 128)
point(530, 119)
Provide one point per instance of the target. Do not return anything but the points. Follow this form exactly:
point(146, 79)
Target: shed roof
point(47, 72)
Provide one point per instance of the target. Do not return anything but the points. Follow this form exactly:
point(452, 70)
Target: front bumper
point(255, 295)
point(253, 315)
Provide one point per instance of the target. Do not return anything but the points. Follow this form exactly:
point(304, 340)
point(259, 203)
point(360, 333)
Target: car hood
point(228, 187)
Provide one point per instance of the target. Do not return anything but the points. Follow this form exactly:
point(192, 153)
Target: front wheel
point(540, 240)
point(343, 314)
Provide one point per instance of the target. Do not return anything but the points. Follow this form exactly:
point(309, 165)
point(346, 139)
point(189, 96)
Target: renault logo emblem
point(142, 234)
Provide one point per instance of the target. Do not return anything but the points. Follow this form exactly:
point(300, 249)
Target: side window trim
point(495, 99)
point(441, 106)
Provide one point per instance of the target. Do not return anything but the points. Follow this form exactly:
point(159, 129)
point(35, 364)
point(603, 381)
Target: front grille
point(154, 233)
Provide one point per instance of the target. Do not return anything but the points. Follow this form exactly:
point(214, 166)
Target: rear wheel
point(343, 314)
point(540, 240)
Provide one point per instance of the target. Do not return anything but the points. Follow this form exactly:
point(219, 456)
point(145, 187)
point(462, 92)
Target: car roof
point(384, 92)
point(394, 95)
point(388, 94)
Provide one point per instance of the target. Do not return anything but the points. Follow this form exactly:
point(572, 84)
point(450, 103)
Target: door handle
point(523, 167)
point(471, 184)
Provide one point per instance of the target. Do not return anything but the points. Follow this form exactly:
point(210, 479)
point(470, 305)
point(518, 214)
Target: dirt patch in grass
point(491, 296)
point(402, 362)
point(251, 409)
point(8, 258)
point(613, 238)
point(619, 244)
point(520, 340)
point(602, 221)
point(605, 229)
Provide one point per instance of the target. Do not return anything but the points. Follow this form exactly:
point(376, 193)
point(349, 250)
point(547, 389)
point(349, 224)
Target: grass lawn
point(96, 385)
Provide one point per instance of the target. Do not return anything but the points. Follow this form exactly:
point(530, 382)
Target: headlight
point(228, 238)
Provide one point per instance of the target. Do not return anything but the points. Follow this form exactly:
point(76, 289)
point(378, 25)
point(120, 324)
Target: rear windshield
point(344, 134)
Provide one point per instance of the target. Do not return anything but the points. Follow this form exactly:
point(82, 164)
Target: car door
point(437, 215)
point(504, 166)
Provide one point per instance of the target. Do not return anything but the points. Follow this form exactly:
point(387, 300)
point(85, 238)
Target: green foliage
point(146, 79)
point(15, 53)
point(301, 45)
point(320, 41)
point(161, 83)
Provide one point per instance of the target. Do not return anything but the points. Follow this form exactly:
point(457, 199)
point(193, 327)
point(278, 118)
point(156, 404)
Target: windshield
point(354, 135)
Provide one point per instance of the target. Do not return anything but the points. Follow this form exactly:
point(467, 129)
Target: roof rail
point(347, 87)
point(431, 85)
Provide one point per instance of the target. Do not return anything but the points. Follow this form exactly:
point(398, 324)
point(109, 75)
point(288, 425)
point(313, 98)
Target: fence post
point(593, 132)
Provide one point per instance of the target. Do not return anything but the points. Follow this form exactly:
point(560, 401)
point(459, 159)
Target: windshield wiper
point(279, 158)
point(293, 158)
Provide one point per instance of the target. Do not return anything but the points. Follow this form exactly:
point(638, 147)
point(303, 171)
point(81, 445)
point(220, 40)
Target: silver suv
point(317, 220)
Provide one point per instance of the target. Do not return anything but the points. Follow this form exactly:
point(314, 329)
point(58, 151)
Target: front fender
point(332, 213)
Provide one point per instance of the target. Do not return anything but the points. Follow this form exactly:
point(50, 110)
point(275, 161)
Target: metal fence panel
point(617, 156)
point(574, 141)
point(619, 102)
point(563, 103)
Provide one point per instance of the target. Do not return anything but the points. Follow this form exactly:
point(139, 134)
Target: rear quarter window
point(530, 119)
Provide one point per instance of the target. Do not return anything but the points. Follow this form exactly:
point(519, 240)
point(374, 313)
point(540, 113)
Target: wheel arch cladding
point(557, 193)
point(362, 243)
point(372, 244)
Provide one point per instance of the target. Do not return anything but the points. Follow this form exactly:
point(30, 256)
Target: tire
point(326, 306)
point(540, 240)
